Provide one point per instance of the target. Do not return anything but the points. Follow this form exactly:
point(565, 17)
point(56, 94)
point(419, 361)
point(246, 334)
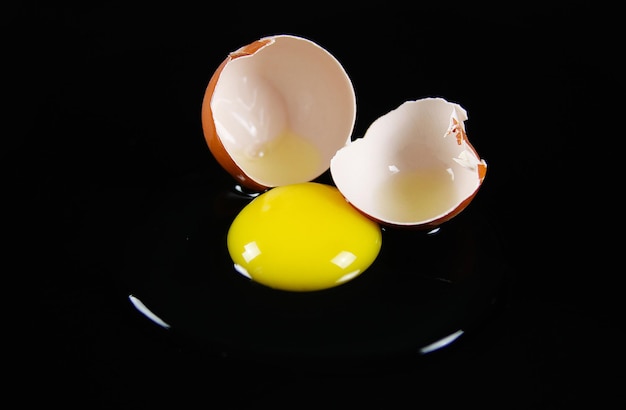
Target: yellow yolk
point(302, 237)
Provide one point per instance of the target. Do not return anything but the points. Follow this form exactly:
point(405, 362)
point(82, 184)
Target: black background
point(106, 98)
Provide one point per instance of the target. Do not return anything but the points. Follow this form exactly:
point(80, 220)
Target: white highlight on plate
point(138, 304)
point(242, 270)
point(242, 190)
point(441, 342)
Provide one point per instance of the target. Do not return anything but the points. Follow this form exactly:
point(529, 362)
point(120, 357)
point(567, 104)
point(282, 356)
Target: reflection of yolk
point(302, 237)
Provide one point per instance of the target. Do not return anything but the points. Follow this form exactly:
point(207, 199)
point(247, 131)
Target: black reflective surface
point(423, 287)
point(114, 198)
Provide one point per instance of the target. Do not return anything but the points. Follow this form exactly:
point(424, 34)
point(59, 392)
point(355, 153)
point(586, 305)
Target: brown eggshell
point(208, 125)
point(279, 91)
point(414, 168)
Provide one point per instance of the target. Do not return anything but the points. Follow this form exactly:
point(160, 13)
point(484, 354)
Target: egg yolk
point(302, 237)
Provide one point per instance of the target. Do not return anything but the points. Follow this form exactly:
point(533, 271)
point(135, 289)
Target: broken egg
point(302, 237)
point(281, 111)
point(414, 167)
point(277, 110)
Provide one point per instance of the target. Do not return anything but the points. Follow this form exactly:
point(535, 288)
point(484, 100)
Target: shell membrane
point(277, 110)
point(414, 166)
point(281, 110)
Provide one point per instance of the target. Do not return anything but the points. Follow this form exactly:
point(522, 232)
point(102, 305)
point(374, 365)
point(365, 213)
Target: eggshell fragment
point(276, 111)
point(413, 168)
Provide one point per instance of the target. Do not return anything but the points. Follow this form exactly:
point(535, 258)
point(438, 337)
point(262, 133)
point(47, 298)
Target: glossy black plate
point(423, 292)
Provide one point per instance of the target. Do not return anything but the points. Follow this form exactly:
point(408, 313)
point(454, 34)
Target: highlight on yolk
point(302, 237)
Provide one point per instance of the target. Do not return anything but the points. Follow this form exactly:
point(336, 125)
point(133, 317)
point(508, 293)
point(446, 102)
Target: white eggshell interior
point(417, 139)
point(291, 86)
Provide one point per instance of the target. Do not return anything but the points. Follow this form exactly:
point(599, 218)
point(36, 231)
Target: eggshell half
point(277, 110)
point(413, 168)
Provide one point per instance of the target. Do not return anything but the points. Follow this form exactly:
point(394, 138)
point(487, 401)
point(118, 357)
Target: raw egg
point(277, 114)
point(413, 168)
point(276, 110)
point(302, 237)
